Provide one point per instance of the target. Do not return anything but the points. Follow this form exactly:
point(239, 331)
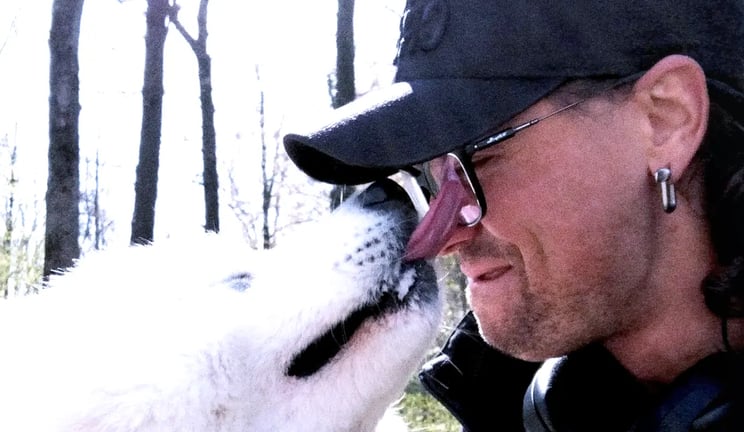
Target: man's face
point(562, 256)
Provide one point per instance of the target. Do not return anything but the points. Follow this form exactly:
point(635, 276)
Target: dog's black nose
point(383, 191)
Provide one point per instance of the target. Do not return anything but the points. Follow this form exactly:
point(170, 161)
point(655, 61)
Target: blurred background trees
point(105, 91)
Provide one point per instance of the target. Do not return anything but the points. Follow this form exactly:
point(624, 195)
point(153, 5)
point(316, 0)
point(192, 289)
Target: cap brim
point(409, 123)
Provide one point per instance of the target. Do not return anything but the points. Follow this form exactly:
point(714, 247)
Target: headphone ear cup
point(535, 412)
point(586, 391)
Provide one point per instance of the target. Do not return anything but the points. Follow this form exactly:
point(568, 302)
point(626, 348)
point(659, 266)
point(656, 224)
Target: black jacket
point(587, 390)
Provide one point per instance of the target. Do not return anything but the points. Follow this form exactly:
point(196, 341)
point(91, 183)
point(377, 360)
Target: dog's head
point(345, 340)
point(320, 334)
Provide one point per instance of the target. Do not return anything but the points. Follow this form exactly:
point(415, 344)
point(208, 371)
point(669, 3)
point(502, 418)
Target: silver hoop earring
point(663, 177)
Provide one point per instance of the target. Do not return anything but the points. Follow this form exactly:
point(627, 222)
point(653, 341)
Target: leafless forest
point(128, 121)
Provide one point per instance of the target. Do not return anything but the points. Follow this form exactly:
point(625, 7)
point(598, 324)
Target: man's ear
point(673, 97)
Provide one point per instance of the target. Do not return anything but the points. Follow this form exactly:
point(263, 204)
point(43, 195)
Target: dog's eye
point(239, 281)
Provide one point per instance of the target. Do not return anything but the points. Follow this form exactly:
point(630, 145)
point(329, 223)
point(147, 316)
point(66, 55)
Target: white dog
point(319, 335)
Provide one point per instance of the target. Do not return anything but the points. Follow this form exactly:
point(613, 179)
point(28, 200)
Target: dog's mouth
point(323, 349)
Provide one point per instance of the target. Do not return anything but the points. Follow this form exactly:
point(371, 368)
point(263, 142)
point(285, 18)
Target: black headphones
point(590, 391)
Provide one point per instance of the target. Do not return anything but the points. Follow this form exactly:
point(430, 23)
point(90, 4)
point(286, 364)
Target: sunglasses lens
point(414, 190)
point(450, 169)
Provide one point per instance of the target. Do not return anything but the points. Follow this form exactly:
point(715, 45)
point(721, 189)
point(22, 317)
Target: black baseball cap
point(465, 67)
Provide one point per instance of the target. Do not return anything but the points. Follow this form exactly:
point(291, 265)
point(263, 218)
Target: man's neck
point(675, 329)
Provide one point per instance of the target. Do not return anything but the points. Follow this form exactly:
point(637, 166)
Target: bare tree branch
point(11, 29)
point(209, 134)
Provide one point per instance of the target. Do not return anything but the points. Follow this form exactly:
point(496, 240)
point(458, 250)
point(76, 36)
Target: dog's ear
point(239, 281)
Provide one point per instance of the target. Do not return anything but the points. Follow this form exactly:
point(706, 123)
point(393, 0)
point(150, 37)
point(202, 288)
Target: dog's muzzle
point(412, 281)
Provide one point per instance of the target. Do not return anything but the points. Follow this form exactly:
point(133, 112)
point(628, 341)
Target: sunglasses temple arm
point(505, 134)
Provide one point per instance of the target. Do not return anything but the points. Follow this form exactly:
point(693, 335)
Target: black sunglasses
point(461, 160)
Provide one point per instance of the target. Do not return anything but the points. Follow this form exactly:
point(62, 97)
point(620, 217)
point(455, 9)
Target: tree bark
point(209, 148)
point(209, 136)
point(146, 184)
point(345, 81)
point(345, 90)
point(61, 245)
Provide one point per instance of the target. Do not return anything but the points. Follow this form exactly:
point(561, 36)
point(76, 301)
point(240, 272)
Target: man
point(588, 165)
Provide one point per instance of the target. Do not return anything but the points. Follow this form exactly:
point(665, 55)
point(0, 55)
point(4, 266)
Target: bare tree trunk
point(209, 140)
point(94, 221)
point(345, 87)
point(63, 184)
point(209, 149)
point(266, 177)
point(146, 184)
point(345, 81)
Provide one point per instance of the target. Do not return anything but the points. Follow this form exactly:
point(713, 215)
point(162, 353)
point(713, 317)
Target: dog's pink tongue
point(440, 221)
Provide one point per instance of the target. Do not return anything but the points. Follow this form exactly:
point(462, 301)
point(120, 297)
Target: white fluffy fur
point(156, 339)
